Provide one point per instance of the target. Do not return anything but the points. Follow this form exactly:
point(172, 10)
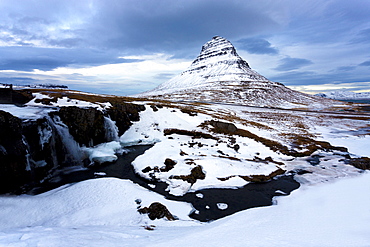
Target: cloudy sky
point(125, 47)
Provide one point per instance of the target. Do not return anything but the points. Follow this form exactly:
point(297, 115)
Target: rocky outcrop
point(32, 150)
point(195, 174)
point(360, 163)
point(18, 97)
point(86, 125)
point(123, 114)
point(13, 153)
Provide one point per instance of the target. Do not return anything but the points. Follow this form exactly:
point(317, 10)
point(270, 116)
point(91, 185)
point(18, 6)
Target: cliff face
point(31, 150)
point(85, 125)
point(123, 114)
point(13, 153)
point(10, 96)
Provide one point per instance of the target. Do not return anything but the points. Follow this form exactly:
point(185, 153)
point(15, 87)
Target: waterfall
point(73, 150)
point(45, 134)
point(28, 164)
point(111, 130)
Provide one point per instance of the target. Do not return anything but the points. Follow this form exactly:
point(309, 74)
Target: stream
point(209, 204)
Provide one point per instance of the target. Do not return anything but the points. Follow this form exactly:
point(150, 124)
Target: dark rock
point(169, 164)
point(236, 147)
point(301, 172)
point(263, 178)
point(13, 151)
point(314, 159)
point(146, 169)
point(223, 127)
point(189, 112)
point(154, 108)
point(123, 114)
point(360, 163)
point(46, 101)
point(86, 125)
point(194, 134)
point(195, 174)
point(18, 97)
point(157, 210)
point(21, 97)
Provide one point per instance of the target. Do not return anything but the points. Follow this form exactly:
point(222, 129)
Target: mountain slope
point(219, 74)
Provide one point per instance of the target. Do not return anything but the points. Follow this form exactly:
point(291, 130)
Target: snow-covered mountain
point(345, 95)
point(219, 74)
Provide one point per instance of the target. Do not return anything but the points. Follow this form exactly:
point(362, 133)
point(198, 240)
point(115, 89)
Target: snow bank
point(97, 202)
point(102, 212)
point(27, 112)
point(335, 214)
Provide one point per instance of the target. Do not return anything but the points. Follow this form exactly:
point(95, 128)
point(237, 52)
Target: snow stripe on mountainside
point(219, 74)
point(217, 62)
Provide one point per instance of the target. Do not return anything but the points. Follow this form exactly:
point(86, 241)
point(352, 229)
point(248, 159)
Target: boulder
point(157, 210)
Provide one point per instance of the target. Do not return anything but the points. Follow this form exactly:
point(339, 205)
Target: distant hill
point(34, 86)
point(345, 95)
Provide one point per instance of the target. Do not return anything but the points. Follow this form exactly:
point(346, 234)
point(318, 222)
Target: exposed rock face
point(13, 161)
point(123, 114)
point(10, 96)
point(86, 125)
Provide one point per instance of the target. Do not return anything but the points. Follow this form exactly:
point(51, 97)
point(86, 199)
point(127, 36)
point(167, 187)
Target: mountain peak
point(217, 44)
point(219, 74)
point(218, 62)
point(221, 48)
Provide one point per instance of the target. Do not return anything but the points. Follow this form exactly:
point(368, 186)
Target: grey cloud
point(17, 80)
point(366, 63)
point(257, 46)
point(345, 68)
point(30, 58)
point(174, 26)
point(135, 27)
point(290, 63)
point(299, 78)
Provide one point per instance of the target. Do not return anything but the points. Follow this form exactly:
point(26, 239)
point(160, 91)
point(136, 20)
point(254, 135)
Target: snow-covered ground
point(330, 209)
point(65, 102)
point(102, 212)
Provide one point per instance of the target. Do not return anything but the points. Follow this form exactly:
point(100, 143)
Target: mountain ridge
point(219, 74)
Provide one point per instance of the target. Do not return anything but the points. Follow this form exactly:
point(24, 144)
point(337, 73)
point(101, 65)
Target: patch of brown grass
point(194, 134)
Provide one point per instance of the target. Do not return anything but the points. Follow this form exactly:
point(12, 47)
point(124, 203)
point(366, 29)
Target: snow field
point(103, 212)
point(97, 202)
point(65, 101)
point(188, 152)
